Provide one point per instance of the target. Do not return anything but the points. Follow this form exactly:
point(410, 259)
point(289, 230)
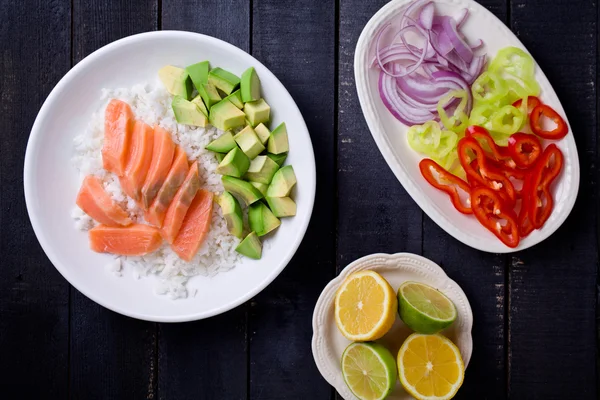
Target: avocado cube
point(278, 158)
point(250, 85)
point(250, 246)
point(177, 81)
point(236, 99)
point(220, 157)
point(200, 103)
point(225, 116)
point(223, 80)
point(199, 73)
point(209, 94)
point(261, 219)
point(188, 113)
point(282, 206)
point(257, 111)
point(262, 169)
point(249, 142)
point(278, 141)
point(261, 187)
point(242, 189)
point(222, 144)
point(282, 183)
point(232, 212)
point(235, 164)
point(262, 132)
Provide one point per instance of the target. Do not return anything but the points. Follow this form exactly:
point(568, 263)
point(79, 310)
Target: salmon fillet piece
point(139, 159)
point(118, 129)
point(195, 226)
point(180, 204)
point(162, 158)
point(179, 169)
point(95, 202)
point(133, 240)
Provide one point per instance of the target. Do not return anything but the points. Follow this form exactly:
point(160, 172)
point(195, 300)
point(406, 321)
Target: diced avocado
point(200, 103)
point(262, 169)
point(282, 206)
point(222, 144)
point(282, 183)
point(261, 187)
point(209, 94)
point(235, 163)
point(250, 246)
point(198, 73)
point(262, 132)
point(249, 142)
point(188, 113)
point(236, 99)
point(250, 85)
point(176, 81)
point(225, 116)
point(243, 189)
point(278, 141)
point(223, 80)
point(278, 158)
point(232, 212)
point(257, 112)
point(261, 219)
point(220, 157)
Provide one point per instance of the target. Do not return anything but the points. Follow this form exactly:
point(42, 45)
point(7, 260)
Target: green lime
point(369, 370)
point(424, 309)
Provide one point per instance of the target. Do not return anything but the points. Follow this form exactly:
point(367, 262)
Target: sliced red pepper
point(485, 174)
point(524, 149)
point(532, 102)
point(499, 153)
point(495, 215)
point(541, 112)
point(443, 180)
point(525, 224)
point(546, 170)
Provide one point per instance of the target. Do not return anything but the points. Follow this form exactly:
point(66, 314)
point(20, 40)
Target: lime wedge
point(369, 370)
point(424, 309)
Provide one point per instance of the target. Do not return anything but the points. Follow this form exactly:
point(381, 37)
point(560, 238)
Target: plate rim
point(359, 264)
point(36, 133)
point(426, 205)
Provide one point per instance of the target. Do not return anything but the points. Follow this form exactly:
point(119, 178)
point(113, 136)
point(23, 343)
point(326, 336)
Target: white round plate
point(328, 343)
point(390, 134)
point(51, 182)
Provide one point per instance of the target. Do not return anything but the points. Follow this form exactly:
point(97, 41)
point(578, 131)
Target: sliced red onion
point(403, 112)
point(478, 43)
point(460, 46)
point(461, 17)
point(449, 76)
point(426, 16)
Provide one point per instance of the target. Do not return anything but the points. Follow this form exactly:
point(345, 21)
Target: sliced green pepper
point(459, 120)
point(489, 88)
point(481, 114)
point(514, 61)
point(424, 138)
point(507, 120)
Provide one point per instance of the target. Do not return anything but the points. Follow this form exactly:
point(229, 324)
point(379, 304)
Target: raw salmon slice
point(179, 169)
point(180, 204)
point(96, 203)
point(195, 226)
point(133, 240)
point(162, 157)
point(118, 129)
point(139, 159)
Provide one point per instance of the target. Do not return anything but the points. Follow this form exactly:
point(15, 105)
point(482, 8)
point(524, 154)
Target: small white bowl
point(328, 343)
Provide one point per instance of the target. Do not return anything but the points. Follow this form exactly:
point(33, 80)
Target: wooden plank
point(34, 55)
point(296, 40)
point(112, 356)
point(206, 359)
point(482, 277)
point(552, 287)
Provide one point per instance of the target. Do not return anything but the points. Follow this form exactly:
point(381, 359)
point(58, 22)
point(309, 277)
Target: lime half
point(424, 308)
point(369, 370)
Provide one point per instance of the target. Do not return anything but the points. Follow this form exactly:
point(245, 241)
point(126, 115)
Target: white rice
point(151, 103)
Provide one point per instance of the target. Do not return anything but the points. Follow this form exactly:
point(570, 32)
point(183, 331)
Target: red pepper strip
point(525, 224)
point(486, 174)
point(446, 182)
point(490, 210)
point(499, 153)
point(538, 114)
point(524, 149)
point(546, 170)
point(532, 102)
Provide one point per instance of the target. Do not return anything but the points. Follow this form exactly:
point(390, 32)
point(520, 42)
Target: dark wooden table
point(535, 331)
